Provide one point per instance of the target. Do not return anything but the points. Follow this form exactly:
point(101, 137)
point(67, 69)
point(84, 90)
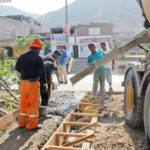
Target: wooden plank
point(87, 127)
point(10, 100)
point(83, 105)
point(51, 147)
point(87, 114)
point(8, 119)
point(70, 134)
point(8, 90)
point(80, 140)
point(52, 140)
point(141, 38)
point(88, 144)
point(80, 124)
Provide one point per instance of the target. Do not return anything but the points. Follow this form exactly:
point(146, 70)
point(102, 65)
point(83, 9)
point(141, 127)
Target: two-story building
point(80, 36)
point(92, 33)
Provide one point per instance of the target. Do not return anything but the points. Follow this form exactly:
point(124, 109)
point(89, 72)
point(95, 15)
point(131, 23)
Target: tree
point(23, 42)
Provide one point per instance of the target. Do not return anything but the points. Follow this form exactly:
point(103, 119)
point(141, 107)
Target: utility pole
point(66, 16)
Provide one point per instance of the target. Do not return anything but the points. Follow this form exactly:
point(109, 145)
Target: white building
point(79, 45)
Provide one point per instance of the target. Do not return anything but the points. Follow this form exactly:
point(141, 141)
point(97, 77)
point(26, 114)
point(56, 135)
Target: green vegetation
point(8, 105)
point(8, 74)
point(23, 42)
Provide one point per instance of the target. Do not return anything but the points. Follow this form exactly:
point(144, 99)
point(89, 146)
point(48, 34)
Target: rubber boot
point(43, 113)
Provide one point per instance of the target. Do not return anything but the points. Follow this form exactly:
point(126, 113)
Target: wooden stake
point(10, 100)
point(49, 147)
point(8, 90)
point(80, 140)
point(57, 140)
point(87, 127)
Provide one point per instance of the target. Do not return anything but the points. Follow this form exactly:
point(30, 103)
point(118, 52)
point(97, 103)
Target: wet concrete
point(62, 103)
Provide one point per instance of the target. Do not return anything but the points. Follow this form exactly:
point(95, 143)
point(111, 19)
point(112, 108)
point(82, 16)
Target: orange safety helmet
point(36, 43)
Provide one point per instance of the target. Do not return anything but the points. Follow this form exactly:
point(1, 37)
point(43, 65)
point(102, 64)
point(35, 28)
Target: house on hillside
point(15, 26)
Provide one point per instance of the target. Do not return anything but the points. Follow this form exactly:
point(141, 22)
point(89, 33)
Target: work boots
point(43, 113)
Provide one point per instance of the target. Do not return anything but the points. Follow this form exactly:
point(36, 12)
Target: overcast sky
point(38, 6)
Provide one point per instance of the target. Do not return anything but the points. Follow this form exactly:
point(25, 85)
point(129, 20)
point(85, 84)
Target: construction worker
point(30, 65)
point(53, 58)
point(99, 75)
point(109, 67)
point(49, 67)
point(62, 66)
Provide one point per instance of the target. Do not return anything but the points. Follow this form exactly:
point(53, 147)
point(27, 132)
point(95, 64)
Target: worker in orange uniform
point(30, 65)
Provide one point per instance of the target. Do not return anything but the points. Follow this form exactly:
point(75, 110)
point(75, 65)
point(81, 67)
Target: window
point(94, 31)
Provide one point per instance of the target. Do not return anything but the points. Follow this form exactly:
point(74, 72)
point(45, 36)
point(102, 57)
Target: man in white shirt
point(109, 67)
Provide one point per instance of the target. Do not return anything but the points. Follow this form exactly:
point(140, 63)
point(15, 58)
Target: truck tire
point(147, 115)
point(133, 106)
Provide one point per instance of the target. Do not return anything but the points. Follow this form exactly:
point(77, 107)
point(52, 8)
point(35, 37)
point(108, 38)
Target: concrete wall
point(105, 29)
point(11, 28)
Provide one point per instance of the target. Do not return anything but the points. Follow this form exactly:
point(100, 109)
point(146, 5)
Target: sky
point(38, 6)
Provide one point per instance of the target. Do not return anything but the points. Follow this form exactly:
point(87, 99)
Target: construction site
point(78, 115)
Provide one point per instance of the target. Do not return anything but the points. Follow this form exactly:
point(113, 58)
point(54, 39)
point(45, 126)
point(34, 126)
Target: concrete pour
point(63, 102)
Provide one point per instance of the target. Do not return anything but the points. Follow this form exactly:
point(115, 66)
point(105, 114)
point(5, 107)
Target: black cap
point(57, 52)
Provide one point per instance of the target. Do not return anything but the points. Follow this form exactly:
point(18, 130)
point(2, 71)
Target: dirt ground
point(114, 134)
point(13, 138)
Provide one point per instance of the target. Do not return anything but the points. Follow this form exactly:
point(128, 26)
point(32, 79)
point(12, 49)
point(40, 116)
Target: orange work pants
point(29, 104)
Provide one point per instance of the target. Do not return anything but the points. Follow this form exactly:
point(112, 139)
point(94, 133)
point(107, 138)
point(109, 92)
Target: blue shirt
point(63, 54)
point(94, 57)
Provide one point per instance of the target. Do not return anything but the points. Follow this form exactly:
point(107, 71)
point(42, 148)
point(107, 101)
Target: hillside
point(124, 14)
point(9, 10)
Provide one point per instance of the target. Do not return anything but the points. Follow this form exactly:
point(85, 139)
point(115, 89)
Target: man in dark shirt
point(30, 65)
point(53, 58)
point(49, 67)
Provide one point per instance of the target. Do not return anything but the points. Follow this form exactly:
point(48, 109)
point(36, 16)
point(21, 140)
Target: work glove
point(44, 88)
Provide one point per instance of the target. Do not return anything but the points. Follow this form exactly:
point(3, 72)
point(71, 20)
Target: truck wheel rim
point(129, 98)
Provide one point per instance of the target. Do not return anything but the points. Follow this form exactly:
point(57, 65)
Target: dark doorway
point(75, 50)
point(9, 51)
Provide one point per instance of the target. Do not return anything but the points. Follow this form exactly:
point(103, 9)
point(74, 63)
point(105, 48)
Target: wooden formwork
point(8, 119)
point(75, 132)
